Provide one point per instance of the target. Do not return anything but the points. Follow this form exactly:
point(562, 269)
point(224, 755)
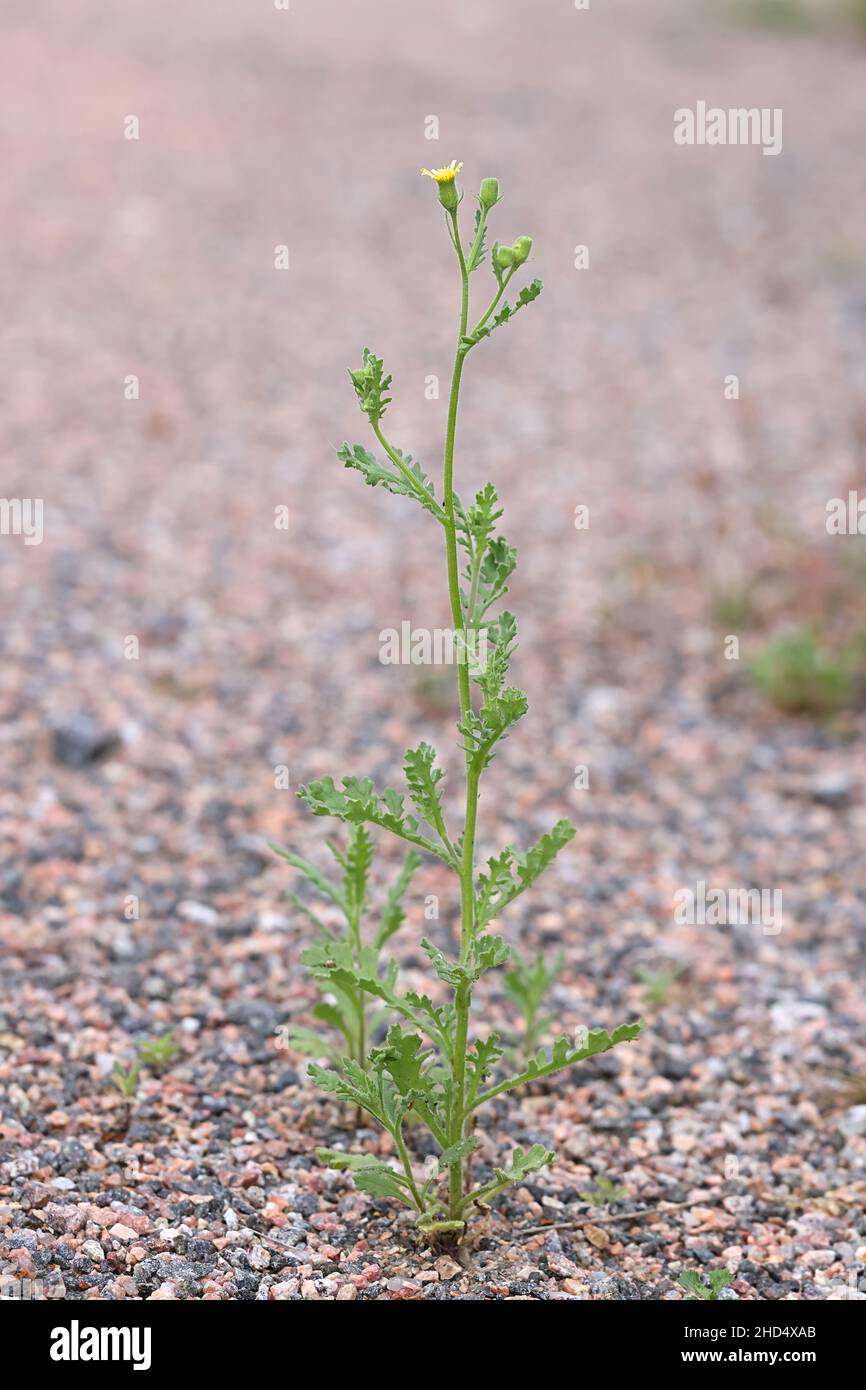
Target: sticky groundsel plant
point(429, 1066)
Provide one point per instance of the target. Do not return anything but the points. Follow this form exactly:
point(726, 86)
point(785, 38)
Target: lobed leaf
point(371, 386)
point(408, 479)
point(456, 1152)
point(510, 873)
point(526, 296)
point(357, 802)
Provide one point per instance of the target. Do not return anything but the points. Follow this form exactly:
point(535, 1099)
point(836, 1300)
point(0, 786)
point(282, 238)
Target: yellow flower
point(446, 175)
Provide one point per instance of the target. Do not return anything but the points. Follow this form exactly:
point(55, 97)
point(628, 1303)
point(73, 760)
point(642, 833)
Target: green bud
point(521, 249)
point(448, 196)
point(503, 257)
point(488, 193)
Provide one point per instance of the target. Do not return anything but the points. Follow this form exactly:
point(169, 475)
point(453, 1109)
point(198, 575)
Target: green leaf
point(487, 953)
point(497, 567)
point(456, 1153)
point(510, 873)
point(522, 1164)
point(308, 912)
point(331, 1014)
point(422, 779)
point(337, 1159)
point(476, 526)
point(354, 1086)
point(371, 1175)
point(485, 1053)
point(435, 1020)
point(407, 479)
point(691, 1281)
point(477, 256)
point(526, 296)
point(335, 960)
point(357, 802)
point(452, 972)
point(401, 1058)
point(527, 983)
point(314, 874)
point(371, 386)
point(392, 914)
point(694, 1285)
point(308, 1042)
point(382, 1182)
point(358, 861)
point(563, 1054)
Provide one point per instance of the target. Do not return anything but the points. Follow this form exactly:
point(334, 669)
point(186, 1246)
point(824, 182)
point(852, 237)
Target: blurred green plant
point(606, 1194)
point(126, 1079)
point(157, 1054)
point(734, 608)
point(697, 1289)
point(526, 985)
point(801, 675)
point(778, 14)
point(659, 984)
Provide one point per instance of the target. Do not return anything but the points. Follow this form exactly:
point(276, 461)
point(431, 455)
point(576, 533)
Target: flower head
point(446, 175)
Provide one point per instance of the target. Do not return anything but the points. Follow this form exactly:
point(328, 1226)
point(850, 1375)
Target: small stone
point(684, 1142)
point(831, 788)
point(853, 1122)
point(347, 1292)
point(121, 1232)
point(288, 1289)
point(447, 1268)
point(597, 1237)
point(93, 1250)
point(559, 1264)
point(819, 1259)
point(80, 740)
point(199, 913)
point(576, 1288)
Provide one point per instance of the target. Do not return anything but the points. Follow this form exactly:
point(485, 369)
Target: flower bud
point(448, 196)
point(488, 193)
point(521, 249)
point(503, 257)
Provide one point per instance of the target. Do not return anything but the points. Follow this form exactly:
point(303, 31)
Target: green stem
point(463, 996)
point(395, 458)
point(407, 1167)
point(493, 303)
point(353, 921)
point(455, 1173)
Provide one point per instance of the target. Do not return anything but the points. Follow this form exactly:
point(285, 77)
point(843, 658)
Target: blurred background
point(258, 648)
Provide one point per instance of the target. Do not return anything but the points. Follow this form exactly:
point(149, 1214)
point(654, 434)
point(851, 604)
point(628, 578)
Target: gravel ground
point(137, 797)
